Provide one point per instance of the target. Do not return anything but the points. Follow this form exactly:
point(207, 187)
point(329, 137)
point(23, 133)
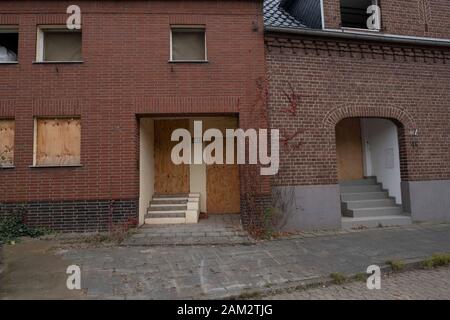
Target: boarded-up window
point(61, 45)
point(7, 129)
point(188, 44)
point(58, 142)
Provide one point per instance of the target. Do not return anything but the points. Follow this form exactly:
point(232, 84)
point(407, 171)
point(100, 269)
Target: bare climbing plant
point(264, 218)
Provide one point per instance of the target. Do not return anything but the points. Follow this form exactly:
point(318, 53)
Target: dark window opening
point(9, 46)
point(354, 13)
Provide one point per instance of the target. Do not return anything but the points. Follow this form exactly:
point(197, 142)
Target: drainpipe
point(352, 35)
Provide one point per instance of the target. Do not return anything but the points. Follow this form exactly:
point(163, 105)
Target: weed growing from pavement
point(362, 277)
point(437, 260)
point(249, 295)
point(396, 265)
point(338, 278)
point(116, 236)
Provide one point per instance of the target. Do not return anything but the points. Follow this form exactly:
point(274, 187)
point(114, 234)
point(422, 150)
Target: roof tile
point(275, 16)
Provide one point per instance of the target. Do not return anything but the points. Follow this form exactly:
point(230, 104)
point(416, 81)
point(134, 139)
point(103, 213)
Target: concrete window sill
point(359, 30)
point(7, 167)
point(56, 167)
point(189, 61)
point(58, 62)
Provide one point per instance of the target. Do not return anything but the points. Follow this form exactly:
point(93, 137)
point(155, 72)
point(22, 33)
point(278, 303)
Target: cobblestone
point(413, 285)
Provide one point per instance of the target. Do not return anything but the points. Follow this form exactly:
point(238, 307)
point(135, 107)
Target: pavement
point(216, 230)
point(33, 270)
point(37, 268)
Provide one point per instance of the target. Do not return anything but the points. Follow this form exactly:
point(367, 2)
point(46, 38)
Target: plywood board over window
point(58, 142)
point(7, 131)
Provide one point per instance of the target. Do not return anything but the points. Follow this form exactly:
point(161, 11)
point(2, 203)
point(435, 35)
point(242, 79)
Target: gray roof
point(276, 16)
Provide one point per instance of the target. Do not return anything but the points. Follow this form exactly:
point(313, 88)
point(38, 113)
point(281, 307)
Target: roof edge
point(362, 36)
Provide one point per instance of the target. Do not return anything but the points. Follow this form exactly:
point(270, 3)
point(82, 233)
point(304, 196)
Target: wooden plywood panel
point(7, 130)
point(223, 188)
point(58, 142)
point(349, 149)
point(169, 178)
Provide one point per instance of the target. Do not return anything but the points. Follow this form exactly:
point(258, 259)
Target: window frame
point(35, 142)
point(187, 27)
point(40, 36)
point(11, 29)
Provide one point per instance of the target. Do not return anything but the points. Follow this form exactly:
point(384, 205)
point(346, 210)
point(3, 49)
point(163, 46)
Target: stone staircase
point(365, 204)
point(174, 209)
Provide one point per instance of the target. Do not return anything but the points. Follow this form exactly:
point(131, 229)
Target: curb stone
point(410, 264)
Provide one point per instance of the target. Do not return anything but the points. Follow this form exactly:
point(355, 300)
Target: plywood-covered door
point(223, 187)
point(169, 178)
point(349, 149)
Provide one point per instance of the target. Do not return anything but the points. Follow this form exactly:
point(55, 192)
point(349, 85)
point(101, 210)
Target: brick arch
point(391, 112)
point(404, 121)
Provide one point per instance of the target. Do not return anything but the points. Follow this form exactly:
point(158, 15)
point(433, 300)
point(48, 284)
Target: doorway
point(368, 167)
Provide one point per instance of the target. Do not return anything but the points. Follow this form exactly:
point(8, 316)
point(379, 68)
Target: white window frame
point(10, 29)
point(322, 14)
point(187, 27)
point(40, 41)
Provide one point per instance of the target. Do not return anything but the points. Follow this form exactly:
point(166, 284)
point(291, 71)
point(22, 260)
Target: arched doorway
point(369, 172)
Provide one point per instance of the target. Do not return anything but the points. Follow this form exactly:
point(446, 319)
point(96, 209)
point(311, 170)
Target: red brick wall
point(424, 18)
point(125, 73)
point(338, 79)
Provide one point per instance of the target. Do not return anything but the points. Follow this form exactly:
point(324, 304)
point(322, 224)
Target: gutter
point(355, 35)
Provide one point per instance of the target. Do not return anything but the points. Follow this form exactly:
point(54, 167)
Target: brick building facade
point(125, 75)
point(401, 73)
point(317, 74)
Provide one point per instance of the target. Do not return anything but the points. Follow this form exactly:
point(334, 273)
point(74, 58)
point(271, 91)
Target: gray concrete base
point(302, 208)
point(427, 201)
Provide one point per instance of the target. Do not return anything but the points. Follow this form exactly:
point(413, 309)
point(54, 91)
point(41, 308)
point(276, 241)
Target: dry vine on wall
point(264, 218)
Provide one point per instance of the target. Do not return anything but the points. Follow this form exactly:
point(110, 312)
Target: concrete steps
point(360, 182)
point(365, 204)
point(173, 209)
point(371, 203)
point(364, 196)
point(372, 212)
point(361, 188)
point(375, 222)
